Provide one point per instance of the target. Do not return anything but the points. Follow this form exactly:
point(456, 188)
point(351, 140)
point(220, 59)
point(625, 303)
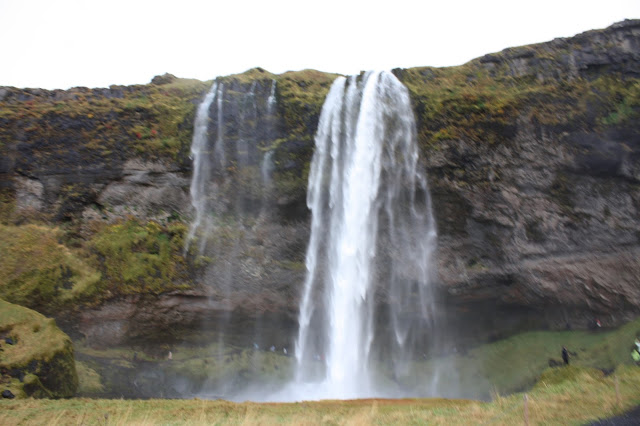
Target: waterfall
point(267, 160)
point(271, 100)
point(205, 162)
point(201, 165)
point(366, 297)
point(366, 304)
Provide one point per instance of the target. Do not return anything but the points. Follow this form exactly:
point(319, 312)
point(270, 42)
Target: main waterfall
point(366, 305)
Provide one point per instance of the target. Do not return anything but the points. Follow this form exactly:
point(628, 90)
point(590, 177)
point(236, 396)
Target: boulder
point(40, 362)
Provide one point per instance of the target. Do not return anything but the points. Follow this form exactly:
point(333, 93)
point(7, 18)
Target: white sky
point(96, 43)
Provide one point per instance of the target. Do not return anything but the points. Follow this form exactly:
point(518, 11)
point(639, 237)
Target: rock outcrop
point(36, 358)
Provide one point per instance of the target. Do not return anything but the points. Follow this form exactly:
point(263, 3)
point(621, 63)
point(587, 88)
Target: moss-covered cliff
point(532, 155)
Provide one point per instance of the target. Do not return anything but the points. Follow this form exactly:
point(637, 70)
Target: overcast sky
point(96, 43)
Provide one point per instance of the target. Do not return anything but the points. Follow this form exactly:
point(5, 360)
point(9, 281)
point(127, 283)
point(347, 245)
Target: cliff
point(532, 156)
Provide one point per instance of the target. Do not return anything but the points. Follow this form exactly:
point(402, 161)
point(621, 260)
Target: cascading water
point(201, 164)
point(233, 123)
point(366, 298)
point(366, 308)
point(267, 160)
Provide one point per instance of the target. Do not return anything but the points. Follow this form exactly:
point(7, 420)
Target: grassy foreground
point(570, 395)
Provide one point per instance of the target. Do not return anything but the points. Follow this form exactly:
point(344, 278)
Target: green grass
point(568, 396)
point(37, 335)
point(199, 364)
point(500, 368)
point(300, 97)
point(516, 363)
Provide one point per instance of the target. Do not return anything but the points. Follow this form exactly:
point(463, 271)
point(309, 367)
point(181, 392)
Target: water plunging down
point(267, 161)
point(200, 153)
point(366, 303)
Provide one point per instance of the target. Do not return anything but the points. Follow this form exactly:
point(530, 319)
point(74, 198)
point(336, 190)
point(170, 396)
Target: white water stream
point(372, 237)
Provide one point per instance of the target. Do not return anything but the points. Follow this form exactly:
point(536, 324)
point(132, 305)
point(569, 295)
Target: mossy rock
point(141, 257)
point(39, 272)
point(39, 362)
point(90, 382)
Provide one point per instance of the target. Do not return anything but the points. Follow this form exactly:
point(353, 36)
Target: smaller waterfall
point(201, 165)
point(267, 168)
point(267, 160)
point(246, 131)
point(218, 151)
point(271, 100)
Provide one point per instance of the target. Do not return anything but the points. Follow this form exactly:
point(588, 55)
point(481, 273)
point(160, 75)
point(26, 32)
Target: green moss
point(300, 97)
point(620, 100)
point(152, 121)
point(249, 181)
point(292, 265)
point(41, 352)
point(473, 103)
point(249, 76)
point(89, 380)
point(37, 271)
point(140, 257)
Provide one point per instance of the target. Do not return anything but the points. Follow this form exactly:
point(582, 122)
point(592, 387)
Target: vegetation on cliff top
point(471, 103)
point(39, 360)
point(149, 121)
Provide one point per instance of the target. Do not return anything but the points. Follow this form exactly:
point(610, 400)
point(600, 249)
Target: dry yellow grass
point(583, 395)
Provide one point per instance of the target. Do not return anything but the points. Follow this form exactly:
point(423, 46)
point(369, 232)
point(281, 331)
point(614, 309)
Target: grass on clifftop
point(151, 121)
point(468, 102)
point(301, 95)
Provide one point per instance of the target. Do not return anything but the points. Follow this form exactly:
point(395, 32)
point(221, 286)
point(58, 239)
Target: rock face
point(532, 156)
point(546, 219)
